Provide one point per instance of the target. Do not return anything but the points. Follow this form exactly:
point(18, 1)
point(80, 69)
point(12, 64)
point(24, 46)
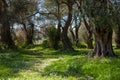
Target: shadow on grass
point(57, 54)
point(72, 53)
point(48, 51)
point(13, 62)
point(41, 52)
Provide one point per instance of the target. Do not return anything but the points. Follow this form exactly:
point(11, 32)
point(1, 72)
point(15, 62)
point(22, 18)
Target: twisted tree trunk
point(57, 37)
point(76, 34)
point(103, 43)
point(67, 45)
point(6, 37)
point(89, 31)
point(72, 33)
point(29, 32)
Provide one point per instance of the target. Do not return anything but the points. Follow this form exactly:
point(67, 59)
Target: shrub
point(45, 43)
point(3, 46)
point(52, 34)
point(82, 45)
point(20, 37)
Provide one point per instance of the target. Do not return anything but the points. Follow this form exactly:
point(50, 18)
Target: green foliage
point(52, 34)
point(82, 45)
point(19, 38)
point(25, 7)
point(69, 69)
point(45, 43)
point(102, 13)
point(3, 46)
point(85, 68)
point(10, 64)
point(6, 47)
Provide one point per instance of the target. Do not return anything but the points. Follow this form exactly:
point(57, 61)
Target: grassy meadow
point(37, 63)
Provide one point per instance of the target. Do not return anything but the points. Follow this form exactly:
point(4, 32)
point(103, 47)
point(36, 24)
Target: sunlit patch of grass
point(38, 63)
point(85, 68)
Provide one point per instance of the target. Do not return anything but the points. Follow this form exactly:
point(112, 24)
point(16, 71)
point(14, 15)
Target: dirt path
point(41, 65)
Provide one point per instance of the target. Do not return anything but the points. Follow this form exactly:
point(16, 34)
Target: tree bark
point(89, 31)
point(75, 37)
point(57, 38)
point(29, 33)
point(117, 37)
point(6, 37)
point(72, 33)
point(103, 43)
point(76, 34)
point(66, 44)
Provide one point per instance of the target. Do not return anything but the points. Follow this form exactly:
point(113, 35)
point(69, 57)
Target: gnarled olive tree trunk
point(75, 33)
point(29, 32)
point(101, 16)
point(6, 37)
point(103, 42)
point(57, 37)
point(66, 43)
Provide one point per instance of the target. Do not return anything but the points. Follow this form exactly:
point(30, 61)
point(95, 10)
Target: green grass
point(37, 63)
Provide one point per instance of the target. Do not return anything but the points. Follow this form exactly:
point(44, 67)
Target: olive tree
point(13, 11)
point(5, 18)
point(100, 13)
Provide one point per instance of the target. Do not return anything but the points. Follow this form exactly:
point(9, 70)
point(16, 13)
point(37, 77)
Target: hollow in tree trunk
point(103, 43)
